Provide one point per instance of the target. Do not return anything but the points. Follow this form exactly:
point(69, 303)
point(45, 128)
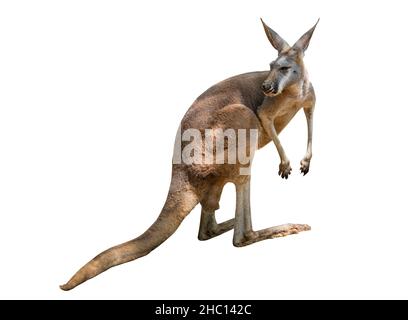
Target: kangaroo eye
point(284, 69)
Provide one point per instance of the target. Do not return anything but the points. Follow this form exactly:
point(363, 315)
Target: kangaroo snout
point(268, 88)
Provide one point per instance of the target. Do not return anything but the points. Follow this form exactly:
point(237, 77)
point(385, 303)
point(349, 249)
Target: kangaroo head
point(288, 68)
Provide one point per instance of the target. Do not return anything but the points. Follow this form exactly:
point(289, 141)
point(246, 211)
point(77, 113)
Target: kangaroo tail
point(180, 201)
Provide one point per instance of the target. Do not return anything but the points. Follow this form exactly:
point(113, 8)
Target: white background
point(91, 95)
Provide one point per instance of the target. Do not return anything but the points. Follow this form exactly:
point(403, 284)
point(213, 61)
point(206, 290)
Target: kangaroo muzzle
point(270, 88)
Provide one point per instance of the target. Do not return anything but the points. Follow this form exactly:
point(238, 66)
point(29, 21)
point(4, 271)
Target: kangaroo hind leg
point(209, 228)
point(243, 232)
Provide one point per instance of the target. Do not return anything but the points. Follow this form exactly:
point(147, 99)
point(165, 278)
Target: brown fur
point(236, 103)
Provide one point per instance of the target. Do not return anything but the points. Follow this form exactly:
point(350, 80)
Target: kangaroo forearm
point(278, 144)
point(309, 119)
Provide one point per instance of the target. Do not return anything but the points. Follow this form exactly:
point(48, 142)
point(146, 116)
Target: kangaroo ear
point(304, 40)
point(275, 39)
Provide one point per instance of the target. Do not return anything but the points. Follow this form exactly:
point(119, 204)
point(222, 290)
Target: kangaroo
point(265, 101)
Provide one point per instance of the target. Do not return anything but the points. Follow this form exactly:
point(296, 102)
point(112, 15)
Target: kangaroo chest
point(278, 112)
point(284, 113)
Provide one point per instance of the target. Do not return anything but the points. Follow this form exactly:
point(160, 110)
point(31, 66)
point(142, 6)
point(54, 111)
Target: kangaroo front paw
point(304, 166)
point(284, 169)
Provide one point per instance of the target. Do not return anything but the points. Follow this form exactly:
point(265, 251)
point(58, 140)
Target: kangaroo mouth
point(270, 93)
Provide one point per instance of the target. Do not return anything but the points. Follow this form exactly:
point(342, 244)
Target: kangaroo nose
point(266, 86)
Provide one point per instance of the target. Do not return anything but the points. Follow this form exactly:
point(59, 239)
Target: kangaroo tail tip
point(66, 287)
